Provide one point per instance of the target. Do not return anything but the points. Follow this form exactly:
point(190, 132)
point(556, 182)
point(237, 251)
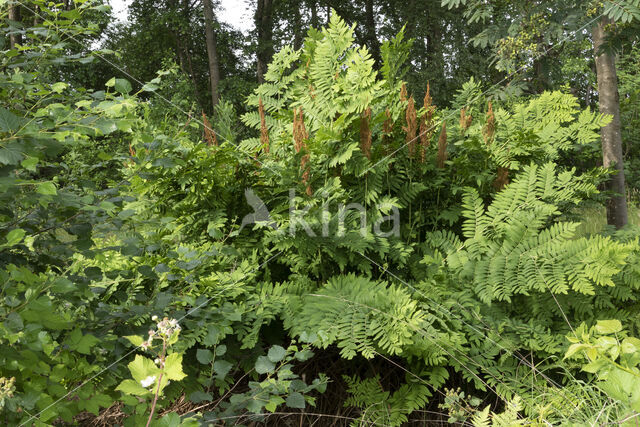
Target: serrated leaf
point(9, 122)
point(11, 154)
point(15, 236)
point(276, 353)
point(142, 367)
point(264, 365)
point(573, 349)
point(132, 387)
point(608, 326)
point(30, 163)
point(221, 350)
point(47, 188)
point(212, 337)
point(122, 85)
point(204, 356)
point(173, 367)
point(222, 368)
point(136, 340)
point(296, 400)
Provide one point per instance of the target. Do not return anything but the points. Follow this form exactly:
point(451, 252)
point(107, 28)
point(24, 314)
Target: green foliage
point(381, 407)
point(115, 210)
point(513, 247)
point(613, 357)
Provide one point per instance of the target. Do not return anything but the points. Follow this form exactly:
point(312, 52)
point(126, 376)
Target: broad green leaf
point(264, 365)
point(222, 368)
point(142, 367)
point(82, 343)
point(59, 87)
point(213, 336)
point(276, 353)
point(62, 285)
point(15, 236)
point(47, 188)
point(122, 85)
point(296, 400)
point(303, 355)
point(135, 340)
point(132, 387)
point(9, 122)
point(204, 356)
point(173, 367)
point(630, 345)
point(274, 402)
point(11, 154)
point(608, 326)
point(30, 163)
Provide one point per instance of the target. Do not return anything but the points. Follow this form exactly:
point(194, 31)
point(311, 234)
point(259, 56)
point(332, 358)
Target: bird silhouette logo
point(260, 211)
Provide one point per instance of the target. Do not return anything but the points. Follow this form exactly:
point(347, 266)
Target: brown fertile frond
point(426, 124)
point(264, 133)
point(299, 131)
point(411, 129)
point(209, 134)
point(300, 136)
point(490, 127)
point(465, 121)
point(428, 101)
point(441, 158)
point(403, 92)
point(365, 133)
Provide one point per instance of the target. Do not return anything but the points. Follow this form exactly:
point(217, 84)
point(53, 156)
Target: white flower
point(148, 381)
point(145, 345)
point(157, 361)
point(154, 317)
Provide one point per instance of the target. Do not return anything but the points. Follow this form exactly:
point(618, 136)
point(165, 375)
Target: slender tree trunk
point(212, 51)
point(15, 15)
point(264, 24)
point(313, 5)
point(297, 27)
point(372, 37)
point(610, 134)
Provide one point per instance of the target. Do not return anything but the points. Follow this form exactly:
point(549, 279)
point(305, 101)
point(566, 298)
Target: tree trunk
point(372, 37)
point(313, 5)
point(264, 25)
point(14, 15)
point(212, 52)
point(610, 134)
point(297, 27)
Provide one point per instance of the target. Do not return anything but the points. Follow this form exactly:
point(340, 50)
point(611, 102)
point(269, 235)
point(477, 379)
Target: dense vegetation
point(384, 224)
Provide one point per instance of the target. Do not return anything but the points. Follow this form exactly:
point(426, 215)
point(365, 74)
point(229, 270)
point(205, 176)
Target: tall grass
point(593, 218)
